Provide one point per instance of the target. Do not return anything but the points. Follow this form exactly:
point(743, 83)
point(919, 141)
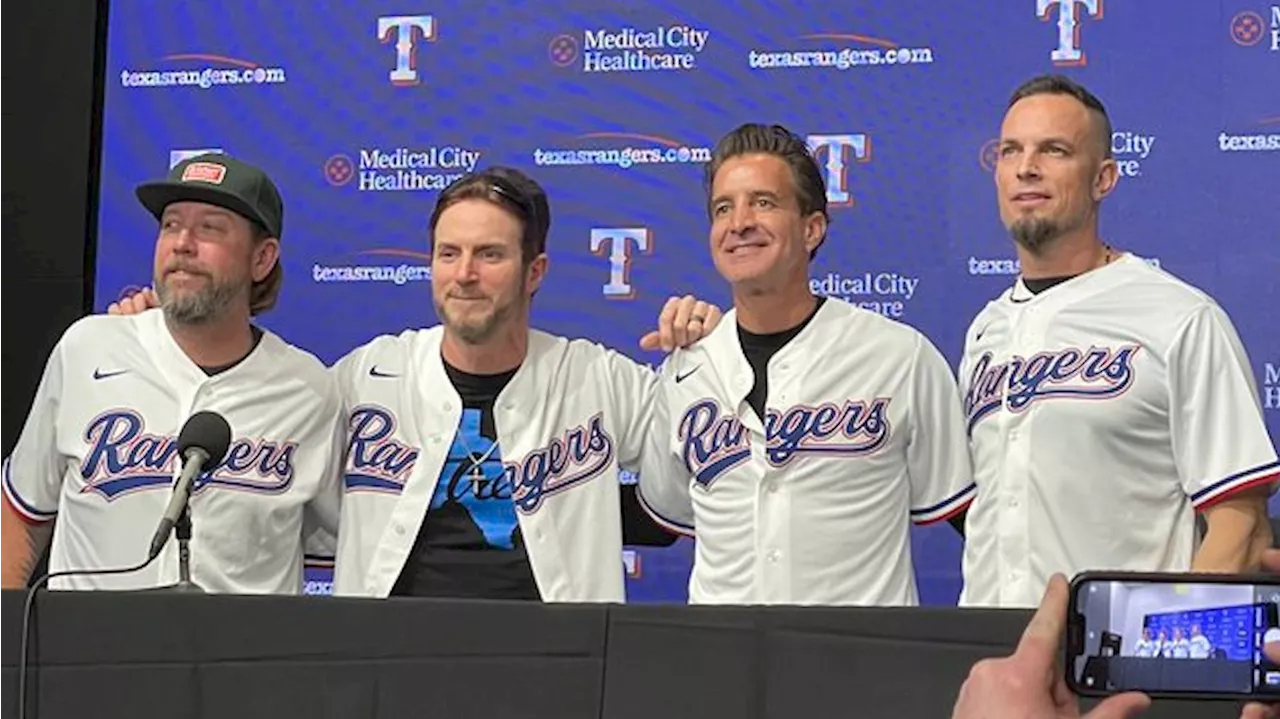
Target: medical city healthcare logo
point(629, 49)
point(1249, 28)
point(404, 32)
point(1070, 14)
point(204, 71)
point(623, 150)
point(840, 51)
point(401, 169)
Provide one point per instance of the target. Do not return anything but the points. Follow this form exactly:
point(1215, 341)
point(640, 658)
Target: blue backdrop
point(362, 111)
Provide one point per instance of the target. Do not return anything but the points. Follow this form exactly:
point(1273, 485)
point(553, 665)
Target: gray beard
point(200, 307)
point(1034, 235)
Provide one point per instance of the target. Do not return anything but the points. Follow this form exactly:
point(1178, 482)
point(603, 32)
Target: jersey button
point(400, 529)
point(448, 406)
point(774, 556)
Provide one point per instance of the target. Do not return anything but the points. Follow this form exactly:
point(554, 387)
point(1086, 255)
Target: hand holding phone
point(1183, 636)
point(1028, 683)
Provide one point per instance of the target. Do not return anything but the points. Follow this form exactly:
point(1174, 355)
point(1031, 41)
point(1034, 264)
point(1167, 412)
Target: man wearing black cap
point(98, 452)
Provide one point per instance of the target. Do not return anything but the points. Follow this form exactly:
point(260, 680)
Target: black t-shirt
point(219, 369)
point(760, 348)
point(470, 543)
point(1037, 286)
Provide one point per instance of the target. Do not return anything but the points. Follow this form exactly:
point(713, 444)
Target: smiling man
point(1107, 401)
point(803, 437)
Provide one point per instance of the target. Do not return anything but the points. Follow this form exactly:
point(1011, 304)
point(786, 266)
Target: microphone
point(202, 444)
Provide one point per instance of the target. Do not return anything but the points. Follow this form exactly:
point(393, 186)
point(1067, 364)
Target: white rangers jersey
point(572, 414)
point(99, 453)
point(1103, 413)
point(862, 435)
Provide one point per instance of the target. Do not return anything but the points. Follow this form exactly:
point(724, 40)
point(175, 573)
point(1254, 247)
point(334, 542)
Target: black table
point(124, 655)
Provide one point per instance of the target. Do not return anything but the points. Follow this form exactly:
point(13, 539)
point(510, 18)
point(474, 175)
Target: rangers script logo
point(581, 454)
point(376, 462)
point(123, 458)
point(715, 443)
point(1095, 373)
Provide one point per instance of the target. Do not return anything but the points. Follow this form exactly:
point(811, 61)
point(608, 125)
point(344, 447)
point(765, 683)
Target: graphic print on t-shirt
point(484, 497)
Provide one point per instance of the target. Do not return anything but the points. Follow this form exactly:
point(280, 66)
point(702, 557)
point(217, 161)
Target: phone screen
point(1175, 638)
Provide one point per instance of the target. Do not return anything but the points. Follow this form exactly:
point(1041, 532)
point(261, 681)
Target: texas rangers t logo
point(715, 443)
point(1096, 373)
point(123, 458)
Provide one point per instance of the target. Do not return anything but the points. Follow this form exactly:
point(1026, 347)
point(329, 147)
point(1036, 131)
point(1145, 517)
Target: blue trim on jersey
point(949, 500)
point(21, 504)
point(367, 481)
point(1234, 478)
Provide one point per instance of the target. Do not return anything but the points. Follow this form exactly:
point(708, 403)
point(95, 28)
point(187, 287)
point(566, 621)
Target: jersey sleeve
point(1220, 439)
point(938, 463)
point(320, 519)
point(632, 387)
point(663, 488)
point(33, 472)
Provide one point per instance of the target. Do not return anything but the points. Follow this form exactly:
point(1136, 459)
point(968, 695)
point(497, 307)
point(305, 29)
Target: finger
point(712, 319)
point(153, 300)
point(1271, 560)
point(684, 310)
point(1272, 650)
point(699, 327)
point(651, 341)
point(1254, 710)
point(1043, 636)
point(113, 308)
point(138, 303)
point(665, 320)
point(1121, 706)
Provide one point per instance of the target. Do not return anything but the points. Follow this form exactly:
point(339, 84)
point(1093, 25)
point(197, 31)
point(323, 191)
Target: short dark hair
point(511, 190)
point(776, 140)
point(1063, 85)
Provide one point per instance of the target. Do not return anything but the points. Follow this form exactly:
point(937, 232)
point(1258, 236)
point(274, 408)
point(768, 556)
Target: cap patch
point(210, 172)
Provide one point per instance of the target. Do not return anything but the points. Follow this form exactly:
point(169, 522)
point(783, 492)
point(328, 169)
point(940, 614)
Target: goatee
point(1034, 234)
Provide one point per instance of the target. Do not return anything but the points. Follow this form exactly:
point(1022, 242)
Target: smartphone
point(1183, 636)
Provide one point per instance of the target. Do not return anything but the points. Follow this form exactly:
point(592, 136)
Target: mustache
point(183, 267)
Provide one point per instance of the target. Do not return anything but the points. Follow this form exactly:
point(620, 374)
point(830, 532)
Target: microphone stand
point(182, 529)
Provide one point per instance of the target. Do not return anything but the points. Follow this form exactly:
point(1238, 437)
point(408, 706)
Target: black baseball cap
point(221, 180)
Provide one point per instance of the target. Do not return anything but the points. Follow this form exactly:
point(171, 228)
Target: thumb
point(651, 341)
point(1121, 706)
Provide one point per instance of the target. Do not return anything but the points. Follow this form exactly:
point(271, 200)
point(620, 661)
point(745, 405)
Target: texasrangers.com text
point(397, 274)
point(206, 78)
point(623, 157)
point(841, 59)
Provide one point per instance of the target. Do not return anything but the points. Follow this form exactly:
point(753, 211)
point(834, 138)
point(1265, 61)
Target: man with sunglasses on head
point(483, 455)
